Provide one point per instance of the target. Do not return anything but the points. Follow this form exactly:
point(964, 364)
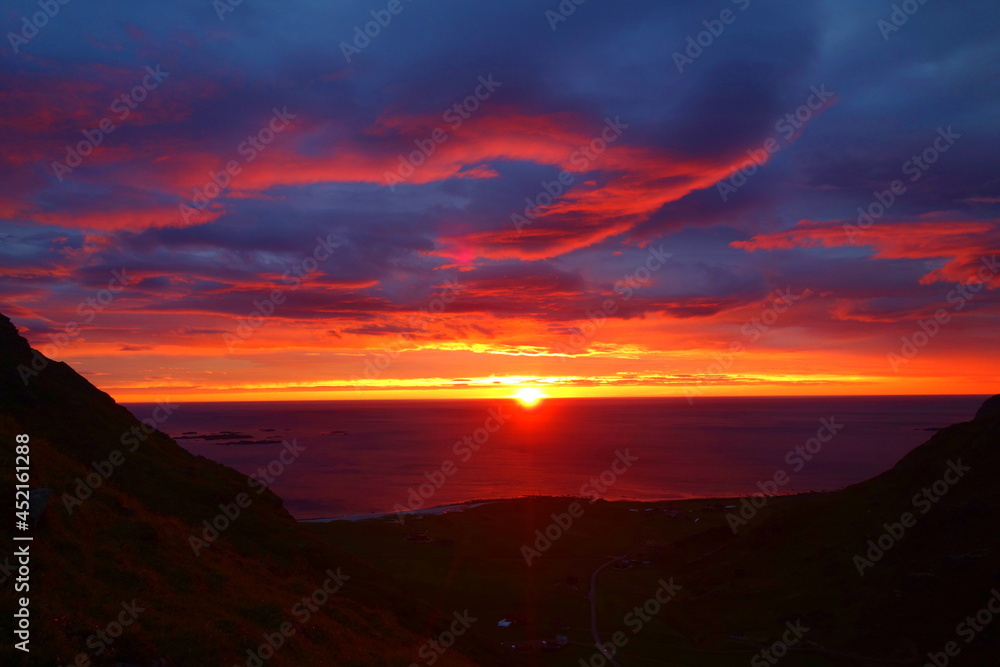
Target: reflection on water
point(367, 456)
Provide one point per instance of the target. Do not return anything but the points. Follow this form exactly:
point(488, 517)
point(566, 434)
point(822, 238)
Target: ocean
point(349, 458)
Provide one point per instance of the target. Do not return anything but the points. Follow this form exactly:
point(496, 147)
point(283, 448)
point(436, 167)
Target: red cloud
point(966, 244)
point(638, 181)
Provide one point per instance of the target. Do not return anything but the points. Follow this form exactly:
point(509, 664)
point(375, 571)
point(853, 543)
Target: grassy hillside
point(131, 541)
point(899, 600)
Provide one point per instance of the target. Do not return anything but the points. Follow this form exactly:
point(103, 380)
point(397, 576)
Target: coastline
point(714, 502)
point(440, 509)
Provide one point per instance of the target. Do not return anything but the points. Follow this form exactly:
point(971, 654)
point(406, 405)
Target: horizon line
point(561, 398)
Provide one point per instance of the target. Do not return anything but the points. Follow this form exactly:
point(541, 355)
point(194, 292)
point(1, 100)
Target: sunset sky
point(484, 196)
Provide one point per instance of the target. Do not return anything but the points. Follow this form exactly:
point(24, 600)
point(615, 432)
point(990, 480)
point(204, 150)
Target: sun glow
point(528, 396)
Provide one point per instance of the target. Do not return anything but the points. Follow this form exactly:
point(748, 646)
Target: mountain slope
point(126, 549)
point(888, 568)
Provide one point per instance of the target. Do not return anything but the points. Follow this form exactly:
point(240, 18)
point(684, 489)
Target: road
point(593, 608)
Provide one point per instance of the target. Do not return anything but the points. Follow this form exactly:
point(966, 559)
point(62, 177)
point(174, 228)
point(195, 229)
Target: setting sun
point(529, 396)
point(505, 320)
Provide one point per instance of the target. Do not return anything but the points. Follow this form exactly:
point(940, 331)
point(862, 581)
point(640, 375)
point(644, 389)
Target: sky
point(417, 199)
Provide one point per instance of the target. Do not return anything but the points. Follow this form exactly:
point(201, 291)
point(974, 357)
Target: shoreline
point(439, 509)
point(477, 502)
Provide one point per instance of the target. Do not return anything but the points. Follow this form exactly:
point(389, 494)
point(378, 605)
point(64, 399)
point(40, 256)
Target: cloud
point(639, 145)
point(963, 244)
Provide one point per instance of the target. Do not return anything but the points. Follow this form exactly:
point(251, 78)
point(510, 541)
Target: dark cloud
point(323, 179)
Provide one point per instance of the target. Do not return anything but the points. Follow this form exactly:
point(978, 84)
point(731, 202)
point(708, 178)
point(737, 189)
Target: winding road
point(593, 609)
